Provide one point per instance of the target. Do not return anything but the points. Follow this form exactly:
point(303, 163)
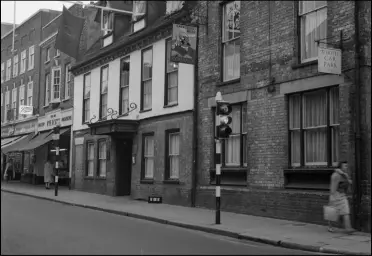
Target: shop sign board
point(52, 119)
point(183, 44)
point(19, 128)
point(329, 60)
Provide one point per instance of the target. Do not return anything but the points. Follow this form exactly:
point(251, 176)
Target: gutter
point(357, 172)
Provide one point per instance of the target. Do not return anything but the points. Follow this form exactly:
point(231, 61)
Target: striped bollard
point(218, 180)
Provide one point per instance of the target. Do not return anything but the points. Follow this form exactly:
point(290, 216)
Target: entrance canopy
point(113, 127)
point(7, 141)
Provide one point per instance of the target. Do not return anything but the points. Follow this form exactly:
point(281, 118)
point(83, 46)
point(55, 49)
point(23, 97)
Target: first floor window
point(313, 16)
point(56, 83)
point(148, 155)
point(146, 80)
point(104, 91)
point(86, 98)
point(90, 159)
point(173, 164)
point(314, 128)
point(124, 86)
point(171, 77)
point(235, 145)
point(102, 158)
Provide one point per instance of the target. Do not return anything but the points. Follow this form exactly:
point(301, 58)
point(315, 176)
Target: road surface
point(35, 226)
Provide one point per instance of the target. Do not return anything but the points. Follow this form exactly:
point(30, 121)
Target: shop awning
point(6, 141)
point(114, 126)
point(40, 140)
point(13, 146)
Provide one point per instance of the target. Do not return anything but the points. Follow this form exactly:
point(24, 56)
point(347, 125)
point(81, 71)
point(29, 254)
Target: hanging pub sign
point(183, 44)
point(329, 60)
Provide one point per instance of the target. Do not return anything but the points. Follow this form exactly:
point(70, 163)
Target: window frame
point(47, 96)
point(15, 65)
point(142, 80)
point(7, 104)
point(47, 54)
point(53, 84)
point(299, 31)
point(85, 99)
point(8, 72)
point(140, 19)
point(103, 94)
point(2, 72)
point(167, 159)
point(99, 159)
point(30, 93)
point(67, 81)
point(14, 102)
point(21, 97)
point(123, 87)
point(225, 42)
point(329, 127)
point(23, 61)
point(87, 160)
point(243, 136)
point(166, 82)
point(143, 164)
point(31, 57)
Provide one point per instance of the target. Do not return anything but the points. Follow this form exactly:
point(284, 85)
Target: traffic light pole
point(218, 181)
point(56, 143)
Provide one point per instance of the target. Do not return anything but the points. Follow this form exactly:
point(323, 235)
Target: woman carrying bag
point(338, 203)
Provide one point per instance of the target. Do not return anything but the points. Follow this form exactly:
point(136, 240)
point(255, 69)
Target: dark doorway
point(124, 166)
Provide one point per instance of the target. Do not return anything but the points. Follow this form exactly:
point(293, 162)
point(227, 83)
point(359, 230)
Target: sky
point(25, 9)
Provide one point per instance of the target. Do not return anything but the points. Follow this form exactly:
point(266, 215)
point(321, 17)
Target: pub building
point(33, 150)
point(133, 110)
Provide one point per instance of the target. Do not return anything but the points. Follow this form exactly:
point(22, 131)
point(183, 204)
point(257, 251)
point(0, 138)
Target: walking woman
point(9, 172)
point(48, 173)
point(340, 184)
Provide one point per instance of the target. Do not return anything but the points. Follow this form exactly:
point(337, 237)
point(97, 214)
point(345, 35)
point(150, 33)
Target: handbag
point(330, 213)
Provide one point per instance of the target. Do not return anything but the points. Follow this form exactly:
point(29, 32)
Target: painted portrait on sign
point(183, 44)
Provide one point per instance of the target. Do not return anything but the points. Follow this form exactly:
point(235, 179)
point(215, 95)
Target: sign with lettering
point(19, 128)
point(329, 60)
point(26, 110)
point(52, 119)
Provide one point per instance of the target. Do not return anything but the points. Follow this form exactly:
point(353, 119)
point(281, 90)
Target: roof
point(96, 52)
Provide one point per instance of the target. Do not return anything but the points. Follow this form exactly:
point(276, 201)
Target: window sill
point(56, 57)
point(171, 105)
point(147, 181)
point(66, 99)
point(234, 81)
point(171, 182)
point(145, 110)
point(46, 106)
point(86, 123)
point(305, 64)
point(100, 178)
point(47, 62)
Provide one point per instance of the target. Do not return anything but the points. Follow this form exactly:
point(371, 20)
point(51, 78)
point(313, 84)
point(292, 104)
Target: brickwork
point(179, 194)
point(272, 48)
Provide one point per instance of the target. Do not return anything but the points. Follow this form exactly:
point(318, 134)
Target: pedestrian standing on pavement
point(48, 173)
point(340, 184)
point(8, 173)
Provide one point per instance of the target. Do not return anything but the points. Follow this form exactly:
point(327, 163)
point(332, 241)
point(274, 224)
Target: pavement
point(32, 226)
point(282, 233)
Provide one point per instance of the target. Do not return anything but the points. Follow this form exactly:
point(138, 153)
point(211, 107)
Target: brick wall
point(179, 194)
point(267, 112)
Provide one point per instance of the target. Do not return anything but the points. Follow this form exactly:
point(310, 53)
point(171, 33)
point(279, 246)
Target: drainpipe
point(71, 146)
point(195, 122)
point(357, 172)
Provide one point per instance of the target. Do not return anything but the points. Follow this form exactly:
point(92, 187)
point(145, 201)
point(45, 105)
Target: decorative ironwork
point(132, 107)
point(113, 114)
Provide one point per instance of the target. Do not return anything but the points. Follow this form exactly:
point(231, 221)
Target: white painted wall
point(185, 88)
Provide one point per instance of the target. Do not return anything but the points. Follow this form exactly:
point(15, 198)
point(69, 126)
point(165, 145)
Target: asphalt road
point(34, 226)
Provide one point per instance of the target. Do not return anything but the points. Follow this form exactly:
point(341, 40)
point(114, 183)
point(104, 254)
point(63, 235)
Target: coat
point(48, 172)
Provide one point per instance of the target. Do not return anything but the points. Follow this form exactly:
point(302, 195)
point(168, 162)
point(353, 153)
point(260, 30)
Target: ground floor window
point(102, 158)
point(314, 128)
point(172, 154)
point(148, 156)
point(90, 159)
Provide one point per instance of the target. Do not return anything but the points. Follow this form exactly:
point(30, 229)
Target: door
point(124, 167)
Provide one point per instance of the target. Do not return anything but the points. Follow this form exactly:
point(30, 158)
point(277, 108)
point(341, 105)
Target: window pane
point(87, 86)
point(294, 112)
point(149, 146)
point(231, 60)
point(90, 151)
point(308, 36)
point(316, 146)
point(90, 168)
point(147, 87)
point(174, 167)
point(173, 87)
point(125, 99)
point(174, 140)
point(103, 105)
point(244, 118)
point(170, 65)
point(335, 144)
point(244, 138)
point(147, 65)
point(236, 122)
point(231, 20)
point(315, 109)
point(232, 150)
point(295, 147)
point(102, 168)
point(334, 105)
point(307, 6)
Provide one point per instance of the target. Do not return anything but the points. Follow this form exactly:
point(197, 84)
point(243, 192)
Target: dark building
point(20, 81)
point(291, 123)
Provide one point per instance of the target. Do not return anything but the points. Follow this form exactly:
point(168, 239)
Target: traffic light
point(223, 110)
point(56, 129)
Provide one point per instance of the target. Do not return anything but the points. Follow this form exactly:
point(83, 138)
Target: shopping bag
point(330, 213)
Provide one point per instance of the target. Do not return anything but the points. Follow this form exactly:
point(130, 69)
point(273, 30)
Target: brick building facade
point(275, 165)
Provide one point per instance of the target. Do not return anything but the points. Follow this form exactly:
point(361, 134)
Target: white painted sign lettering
point(329, 60)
